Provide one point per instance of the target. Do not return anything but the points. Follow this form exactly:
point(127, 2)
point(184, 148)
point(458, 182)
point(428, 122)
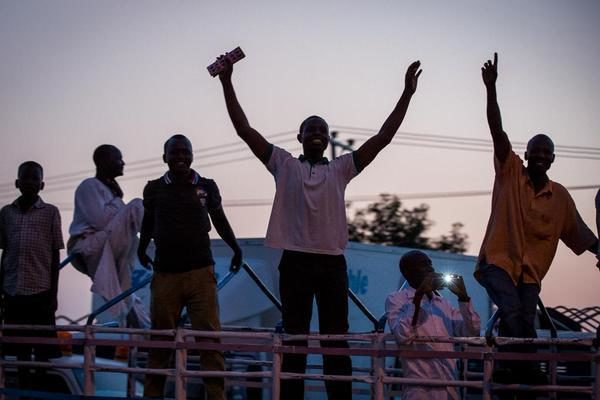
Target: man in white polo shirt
point(308, 221)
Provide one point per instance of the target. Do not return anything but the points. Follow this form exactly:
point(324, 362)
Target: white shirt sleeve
point(465, 320)
point(93, 206)
point(345, 167)
point(399, 317)
point(277, 159)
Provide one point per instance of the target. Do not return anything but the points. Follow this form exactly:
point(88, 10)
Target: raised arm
point(598, 227)
point(369, 150)
point(598, 213)
point(489, 73)
point(465, 320)
point(257, 143)
point(219, 220)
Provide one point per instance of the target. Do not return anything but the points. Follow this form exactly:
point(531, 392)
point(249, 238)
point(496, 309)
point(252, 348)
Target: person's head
point(314, 136)
point(415, 266)
point(178, 154)
point(109, 161)
point(539, 154)
point(30, 179)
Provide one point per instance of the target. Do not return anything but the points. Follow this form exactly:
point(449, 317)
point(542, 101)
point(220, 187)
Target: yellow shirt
point(524, 227)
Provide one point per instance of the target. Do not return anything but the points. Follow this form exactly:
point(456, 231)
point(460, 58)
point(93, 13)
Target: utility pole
point(336, 143)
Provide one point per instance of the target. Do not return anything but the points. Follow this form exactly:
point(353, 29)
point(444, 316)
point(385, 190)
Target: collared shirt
point(309, 212)
point(179, 215)
point(524, 227)
point(95, 207)
point(437, 317)
point(28, 240)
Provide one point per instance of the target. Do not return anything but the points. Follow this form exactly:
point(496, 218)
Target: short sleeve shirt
point(180, 218)
point(309, 212)
point(29, 240)
point(524, 227)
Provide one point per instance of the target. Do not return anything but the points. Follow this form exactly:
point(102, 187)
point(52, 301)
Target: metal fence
point(376, 346)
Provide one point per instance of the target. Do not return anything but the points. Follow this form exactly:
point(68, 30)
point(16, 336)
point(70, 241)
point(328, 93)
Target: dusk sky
point(77, 74)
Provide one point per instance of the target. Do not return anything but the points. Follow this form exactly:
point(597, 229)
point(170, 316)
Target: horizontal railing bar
point(40, 364)
point(320, 377)
point(478, 341)
point(162, 344)
point(542, 388)
point(432, 382)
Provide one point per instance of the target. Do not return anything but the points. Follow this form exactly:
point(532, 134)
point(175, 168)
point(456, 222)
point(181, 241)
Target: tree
point(454, 242)
point(386, 222)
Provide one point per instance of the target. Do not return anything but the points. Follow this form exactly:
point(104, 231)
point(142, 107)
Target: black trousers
point(35, 309)
point(303, 277)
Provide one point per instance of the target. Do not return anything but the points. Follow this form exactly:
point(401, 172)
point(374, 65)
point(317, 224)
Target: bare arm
point(594, 248)
point(489, 73)
point(145, 237)
point(369, 150)
point(598, 213)
point(54, 272)
point(257, 143)
point(219, 220)
point(598, 228)
point(146, 230)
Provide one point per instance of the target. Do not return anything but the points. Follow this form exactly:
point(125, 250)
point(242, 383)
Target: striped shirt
point(28, 240)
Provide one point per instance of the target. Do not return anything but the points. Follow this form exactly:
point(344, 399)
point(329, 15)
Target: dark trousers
point(304, 276)
point(35, 309)
point(517, 306)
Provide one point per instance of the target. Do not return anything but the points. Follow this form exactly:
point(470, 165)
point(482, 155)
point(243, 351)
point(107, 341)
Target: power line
point(148, 175)
point(149, 169)
point(140, 164)
point(67, 181)
point(402, 196)
point(466, 146)
point(464, 140)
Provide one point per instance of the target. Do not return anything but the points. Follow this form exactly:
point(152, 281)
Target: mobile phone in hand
point(233, 56)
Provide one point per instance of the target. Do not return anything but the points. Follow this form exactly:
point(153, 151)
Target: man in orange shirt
point(530, 213)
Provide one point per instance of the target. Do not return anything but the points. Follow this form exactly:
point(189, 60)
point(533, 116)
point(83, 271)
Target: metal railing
point(376, 346)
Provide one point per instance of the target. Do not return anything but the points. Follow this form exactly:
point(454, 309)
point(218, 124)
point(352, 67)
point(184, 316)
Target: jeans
point(517, 305)
point(304, 276)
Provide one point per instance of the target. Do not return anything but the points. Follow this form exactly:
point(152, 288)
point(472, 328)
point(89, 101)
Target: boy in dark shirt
point(177, 209)
point(30, 239)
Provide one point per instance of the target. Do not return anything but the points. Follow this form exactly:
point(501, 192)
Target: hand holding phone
point(218, 66)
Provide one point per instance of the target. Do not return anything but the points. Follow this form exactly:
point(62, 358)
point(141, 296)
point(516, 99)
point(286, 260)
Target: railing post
point(596, 383)
point(488, 370)
point(378, 363)
point(180, 365)
point(89, 360)
point(553, 370)
point(2, 377)
point(276, 371)
point(132, 363)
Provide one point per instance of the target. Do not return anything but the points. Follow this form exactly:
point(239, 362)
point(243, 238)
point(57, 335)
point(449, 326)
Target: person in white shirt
point(435, 316)
point(308, 222)
point(103, 234)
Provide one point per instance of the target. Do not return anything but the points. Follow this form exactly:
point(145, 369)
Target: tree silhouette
point(387, 222)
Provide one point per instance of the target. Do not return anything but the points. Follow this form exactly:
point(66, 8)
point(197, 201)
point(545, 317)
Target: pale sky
point(78, 74)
